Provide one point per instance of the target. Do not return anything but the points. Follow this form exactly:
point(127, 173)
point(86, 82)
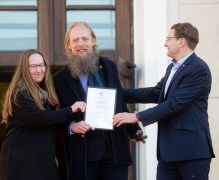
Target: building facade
point(152, 22)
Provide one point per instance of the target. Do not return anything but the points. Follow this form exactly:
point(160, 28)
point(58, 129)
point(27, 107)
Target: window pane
point(90, 2)
point(102, 22)
point(18, 2)
point(18, 30)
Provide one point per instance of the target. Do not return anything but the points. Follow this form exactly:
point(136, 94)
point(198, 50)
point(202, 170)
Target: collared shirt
point(176, 66)
point(83, 79)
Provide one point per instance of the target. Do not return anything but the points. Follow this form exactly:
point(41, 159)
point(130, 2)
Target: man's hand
point(138, 137)
point(125, 117)
point(81, 127)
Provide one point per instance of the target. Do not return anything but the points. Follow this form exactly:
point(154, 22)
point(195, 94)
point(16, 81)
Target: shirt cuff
point(138, 117)
point(70, 126)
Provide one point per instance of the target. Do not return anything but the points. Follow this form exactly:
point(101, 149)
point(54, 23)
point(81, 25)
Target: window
point(42, 24)
point(18, 31)
point(101, 21)
point(22, 27)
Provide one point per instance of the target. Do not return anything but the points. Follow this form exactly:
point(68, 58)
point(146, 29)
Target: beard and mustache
point(83, 65)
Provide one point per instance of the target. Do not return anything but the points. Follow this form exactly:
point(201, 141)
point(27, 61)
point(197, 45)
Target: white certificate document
point(100, 107)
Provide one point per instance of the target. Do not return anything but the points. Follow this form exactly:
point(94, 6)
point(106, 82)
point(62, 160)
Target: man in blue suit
point(184, 145)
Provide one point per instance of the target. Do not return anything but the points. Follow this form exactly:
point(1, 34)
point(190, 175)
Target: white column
point(150, 30)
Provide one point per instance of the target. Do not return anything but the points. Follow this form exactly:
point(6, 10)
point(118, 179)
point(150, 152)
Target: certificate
point(100, 107)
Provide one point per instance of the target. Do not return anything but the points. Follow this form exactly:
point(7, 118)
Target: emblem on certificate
point(100, 107)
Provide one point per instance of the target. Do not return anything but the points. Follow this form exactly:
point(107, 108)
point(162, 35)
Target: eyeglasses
point(34, 66)
point(173, 37)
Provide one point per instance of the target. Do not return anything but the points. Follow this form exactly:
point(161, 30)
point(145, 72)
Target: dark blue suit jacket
point(183, 128)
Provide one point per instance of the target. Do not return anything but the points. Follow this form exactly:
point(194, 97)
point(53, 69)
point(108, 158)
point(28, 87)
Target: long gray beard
point(85, 65)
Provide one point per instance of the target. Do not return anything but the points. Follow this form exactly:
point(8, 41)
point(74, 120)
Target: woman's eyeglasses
point(35, 66)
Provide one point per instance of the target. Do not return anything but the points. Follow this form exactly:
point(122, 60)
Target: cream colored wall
point(152, 22)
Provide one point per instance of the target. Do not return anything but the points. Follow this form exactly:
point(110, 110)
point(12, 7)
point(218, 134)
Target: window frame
point(50, 39)
point(124, 45)
point(44, 40)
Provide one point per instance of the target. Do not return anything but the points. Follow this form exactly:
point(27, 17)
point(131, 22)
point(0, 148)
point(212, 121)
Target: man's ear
point(182, 42)
point(93, 41)
point(68, 46)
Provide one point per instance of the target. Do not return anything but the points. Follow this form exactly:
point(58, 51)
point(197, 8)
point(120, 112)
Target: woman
point(28, 147)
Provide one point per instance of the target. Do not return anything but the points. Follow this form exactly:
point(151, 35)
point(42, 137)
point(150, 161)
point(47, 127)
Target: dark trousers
point(105, 169)
point(183, 170)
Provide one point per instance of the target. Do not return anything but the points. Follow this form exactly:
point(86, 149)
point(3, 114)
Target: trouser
point(106, 169)
point(183, 170)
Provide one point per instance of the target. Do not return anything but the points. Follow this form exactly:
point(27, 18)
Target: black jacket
point(69, 90)
point(28, 147)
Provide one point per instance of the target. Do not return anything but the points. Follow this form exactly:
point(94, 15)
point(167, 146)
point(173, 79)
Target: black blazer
point(28, 147)
point(183, 128)
point(69, 90)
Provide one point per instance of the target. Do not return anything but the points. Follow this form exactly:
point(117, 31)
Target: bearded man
point(87, 151)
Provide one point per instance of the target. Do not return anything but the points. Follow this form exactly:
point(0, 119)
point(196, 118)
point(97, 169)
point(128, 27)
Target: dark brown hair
point(188, 32)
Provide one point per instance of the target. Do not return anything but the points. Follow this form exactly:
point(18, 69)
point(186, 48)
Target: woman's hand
point(78, 106)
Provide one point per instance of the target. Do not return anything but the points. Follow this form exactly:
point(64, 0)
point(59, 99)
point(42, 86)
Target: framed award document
point(100, 107)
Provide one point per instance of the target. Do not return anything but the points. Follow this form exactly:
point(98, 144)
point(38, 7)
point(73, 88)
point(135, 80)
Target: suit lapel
point(167, 75)
point(175, 75)
point(181, 68)
point(75, 84)
point(165, 81)
point(103, 69)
